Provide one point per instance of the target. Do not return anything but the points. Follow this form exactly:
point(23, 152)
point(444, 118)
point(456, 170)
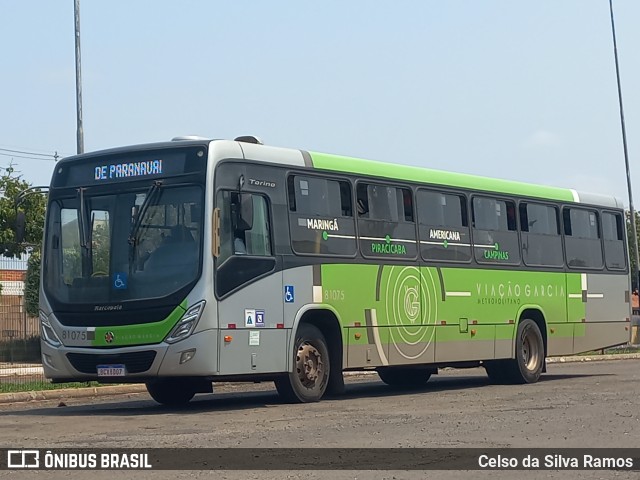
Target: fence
point(16, 327)
point(20, 363)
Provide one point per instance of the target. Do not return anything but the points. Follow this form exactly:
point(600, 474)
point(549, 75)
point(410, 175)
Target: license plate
point(111, 370)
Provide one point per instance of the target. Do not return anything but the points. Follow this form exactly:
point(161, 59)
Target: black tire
point(402, 377)
point(497, 371)
point(336, 387)
point(171, 392)
point(529, 362)
point(311, 368)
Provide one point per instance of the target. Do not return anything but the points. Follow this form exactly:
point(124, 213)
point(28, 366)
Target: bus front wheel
point(171, 391)
point(308, 381)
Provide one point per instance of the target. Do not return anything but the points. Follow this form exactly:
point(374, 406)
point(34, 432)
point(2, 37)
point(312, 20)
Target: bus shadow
point(557, 376)
point(441, 384)
point(243, 400)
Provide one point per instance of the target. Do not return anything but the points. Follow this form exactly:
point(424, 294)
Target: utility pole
point(79, 131)
point(632, 212)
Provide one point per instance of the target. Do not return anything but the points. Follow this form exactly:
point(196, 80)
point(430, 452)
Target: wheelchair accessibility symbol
point(120, 281)
point(288, 294)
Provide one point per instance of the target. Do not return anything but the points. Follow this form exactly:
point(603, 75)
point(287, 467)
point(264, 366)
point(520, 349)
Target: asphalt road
point(594, 404)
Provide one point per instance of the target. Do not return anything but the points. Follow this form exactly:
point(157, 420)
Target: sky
point(520, 90)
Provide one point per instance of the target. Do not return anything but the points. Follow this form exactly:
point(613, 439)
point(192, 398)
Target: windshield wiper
point(82, 220)
point(133, 234)
point(151, 194)
point(85, 233)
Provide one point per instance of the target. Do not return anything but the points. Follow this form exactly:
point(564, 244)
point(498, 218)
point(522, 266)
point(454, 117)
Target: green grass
point(613, 351)
point(38, 385)
point(622, 350)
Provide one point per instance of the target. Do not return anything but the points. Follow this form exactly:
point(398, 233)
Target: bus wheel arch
point(317, 336)
point(528, 354)
point(538, 317)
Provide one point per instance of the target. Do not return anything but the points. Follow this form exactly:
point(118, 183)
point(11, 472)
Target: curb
point(65, 393)
point(594, 358)
point(88, 392)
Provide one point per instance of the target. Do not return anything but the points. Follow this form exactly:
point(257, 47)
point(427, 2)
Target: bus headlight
point(187, 323)
point(48, 333)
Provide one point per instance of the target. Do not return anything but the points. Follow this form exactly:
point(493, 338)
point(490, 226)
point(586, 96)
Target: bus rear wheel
point(310, 376)
point(402, 377)
point(529, 362)
point(172, 392)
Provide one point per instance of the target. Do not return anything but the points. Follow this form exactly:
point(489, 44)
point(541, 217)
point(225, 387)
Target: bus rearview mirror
point(246, 211)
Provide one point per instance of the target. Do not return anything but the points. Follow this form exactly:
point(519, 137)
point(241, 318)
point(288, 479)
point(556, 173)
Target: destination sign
point(130, 166)
point(125, 170)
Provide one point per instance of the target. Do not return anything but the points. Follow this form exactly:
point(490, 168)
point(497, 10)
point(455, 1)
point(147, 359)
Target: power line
point(50, 157)
point(27, 153)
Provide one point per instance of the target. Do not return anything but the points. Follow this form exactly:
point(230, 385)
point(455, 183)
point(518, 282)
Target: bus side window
point(613, 238)
point(386, 224)
point(362, 201)
point(321, 216)
point(582, 238)
point(258, 237)
point(245, 228)
point(345, 199)
point(443, 226)
point(319, 196)
point(495, 233)
point(541, 240)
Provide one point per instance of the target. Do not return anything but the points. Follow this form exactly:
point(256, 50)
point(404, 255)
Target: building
point(14, 322)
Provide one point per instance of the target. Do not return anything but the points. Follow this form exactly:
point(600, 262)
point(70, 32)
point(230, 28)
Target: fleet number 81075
point(333, 294)
point(74, 335)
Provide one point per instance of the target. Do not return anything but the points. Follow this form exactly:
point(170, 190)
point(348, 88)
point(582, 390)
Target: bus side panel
point(351, 291)
point(462, 331)
point(606, 312)
point(560, 339)
point(477, 343)
point(256, 344)
point(597, 335)
point(258, 350)
point(465, 314)
point(494, 298)
point(408, 299)
point(606, 298)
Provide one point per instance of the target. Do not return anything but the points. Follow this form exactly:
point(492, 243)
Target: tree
point(32, 284)
point(11, 186)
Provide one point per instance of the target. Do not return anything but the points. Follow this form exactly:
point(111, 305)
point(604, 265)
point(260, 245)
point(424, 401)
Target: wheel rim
point(310, 366)
point(530, 350)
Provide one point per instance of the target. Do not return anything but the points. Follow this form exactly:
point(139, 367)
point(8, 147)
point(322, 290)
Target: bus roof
point(134, 148)
point(359, 166)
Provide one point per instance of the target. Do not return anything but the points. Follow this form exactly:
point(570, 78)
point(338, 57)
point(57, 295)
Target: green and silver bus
point(183, 263)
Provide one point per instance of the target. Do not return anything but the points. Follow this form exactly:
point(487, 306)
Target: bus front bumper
point(194, 356)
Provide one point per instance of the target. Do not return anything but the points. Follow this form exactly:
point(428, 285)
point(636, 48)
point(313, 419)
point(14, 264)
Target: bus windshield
point(133, 244)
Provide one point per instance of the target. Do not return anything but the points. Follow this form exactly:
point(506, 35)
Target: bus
point(194, 261)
